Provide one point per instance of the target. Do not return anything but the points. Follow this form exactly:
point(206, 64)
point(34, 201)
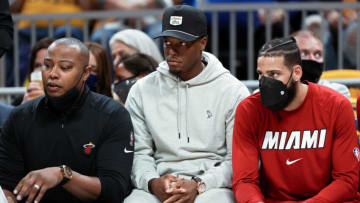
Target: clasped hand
point(171, 189)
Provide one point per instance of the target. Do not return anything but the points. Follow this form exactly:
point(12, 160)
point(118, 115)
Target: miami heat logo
point(88, 148)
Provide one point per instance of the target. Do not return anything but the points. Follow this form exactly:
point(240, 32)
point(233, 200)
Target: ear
point(203, 42)
point(86, 73)
point(297, 73)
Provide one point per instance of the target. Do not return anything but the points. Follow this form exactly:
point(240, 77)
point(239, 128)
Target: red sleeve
point(245, 156)
point(345, 166)
point(358, 110)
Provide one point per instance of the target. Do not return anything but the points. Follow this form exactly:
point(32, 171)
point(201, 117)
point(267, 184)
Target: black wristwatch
point(201, 188)
point(66, 173)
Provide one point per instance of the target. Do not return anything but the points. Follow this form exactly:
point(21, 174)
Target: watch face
point(68, 171)
point(201, 188)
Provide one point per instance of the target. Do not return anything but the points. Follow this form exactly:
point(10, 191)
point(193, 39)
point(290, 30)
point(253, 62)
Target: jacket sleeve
point(358, 112)
point(115, 157)
point(345, 164)
point(144, 168)
point(246, 156)
point(11, 156)
point(221, 175)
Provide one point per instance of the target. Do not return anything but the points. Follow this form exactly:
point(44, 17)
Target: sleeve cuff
point(210, 181)
point(145, 180)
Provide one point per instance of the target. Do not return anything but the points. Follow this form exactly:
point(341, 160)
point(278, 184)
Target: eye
point(65, 67)
point(183, 44)
point(273, 74)
point(317, 55)
point(45, 66)
point(303, 54)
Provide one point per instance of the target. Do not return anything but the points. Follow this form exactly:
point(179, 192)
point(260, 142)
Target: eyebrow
point(62, 60)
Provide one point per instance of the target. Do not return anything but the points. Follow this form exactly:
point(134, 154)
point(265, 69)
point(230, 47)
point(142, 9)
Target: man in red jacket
point(293, 141)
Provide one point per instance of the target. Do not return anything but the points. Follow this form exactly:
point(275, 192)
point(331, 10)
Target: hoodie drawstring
point(178, 109)
point(186, 113)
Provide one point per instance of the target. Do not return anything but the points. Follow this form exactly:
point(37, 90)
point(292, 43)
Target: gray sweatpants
point(222, 195)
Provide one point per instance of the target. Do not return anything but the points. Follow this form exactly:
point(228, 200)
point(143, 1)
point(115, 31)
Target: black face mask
point(274, 94)
point(312, 70)
point(65, 101)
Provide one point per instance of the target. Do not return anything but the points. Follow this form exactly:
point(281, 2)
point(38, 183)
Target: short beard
point(291, 92)
point(176, 73)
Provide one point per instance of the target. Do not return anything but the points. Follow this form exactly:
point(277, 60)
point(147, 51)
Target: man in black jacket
point(71, 145)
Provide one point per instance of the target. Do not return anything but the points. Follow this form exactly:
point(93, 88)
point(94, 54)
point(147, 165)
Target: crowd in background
point(171, 123)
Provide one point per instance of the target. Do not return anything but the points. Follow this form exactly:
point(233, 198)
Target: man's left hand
point(36, 183)
point(185, 191)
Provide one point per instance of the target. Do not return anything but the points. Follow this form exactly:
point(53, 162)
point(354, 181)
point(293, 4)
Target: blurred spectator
point(105, 29)
point(100, 77)
point(350, 50)
point(129, 42)
point(331, 42)
point(37, 56)
point(311, 50)
point(29, 7)
point(6, 27)
point(132, 68)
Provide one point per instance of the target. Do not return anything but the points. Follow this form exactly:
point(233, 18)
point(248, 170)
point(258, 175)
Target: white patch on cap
point(176, 20)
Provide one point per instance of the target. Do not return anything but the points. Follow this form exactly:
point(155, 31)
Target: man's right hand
point(160, 187)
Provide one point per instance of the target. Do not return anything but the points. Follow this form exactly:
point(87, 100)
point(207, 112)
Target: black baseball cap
point(183, 22)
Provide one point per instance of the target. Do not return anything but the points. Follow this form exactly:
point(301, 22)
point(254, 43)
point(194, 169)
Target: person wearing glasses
point(183, 116)
point(293, 141)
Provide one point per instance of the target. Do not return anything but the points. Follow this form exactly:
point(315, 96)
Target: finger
point(34, 85)
point(26, 188)
point(172, 199)
point(40, 194)
point(20, 185)
point(181, 200)
point(174, 191)
point(10, 200)
point(35, 92)
point(35, 189)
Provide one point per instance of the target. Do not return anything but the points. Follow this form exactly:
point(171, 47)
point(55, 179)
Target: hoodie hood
point(213, 70)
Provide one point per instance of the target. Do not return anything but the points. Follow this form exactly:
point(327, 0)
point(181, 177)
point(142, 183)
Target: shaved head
point(74, 43)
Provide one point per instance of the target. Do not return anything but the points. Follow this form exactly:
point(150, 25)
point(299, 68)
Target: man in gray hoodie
point(183, 116)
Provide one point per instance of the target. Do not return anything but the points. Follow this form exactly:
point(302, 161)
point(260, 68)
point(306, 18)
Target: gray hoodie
point(185, 128)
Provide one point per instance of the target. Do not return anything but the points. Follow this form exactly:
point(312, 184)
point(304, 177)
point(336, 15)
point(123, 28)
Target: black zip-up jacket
point(94, 138)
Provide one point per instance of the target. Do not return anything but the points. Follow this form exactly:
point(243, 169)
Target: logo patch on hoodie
point(208, 114)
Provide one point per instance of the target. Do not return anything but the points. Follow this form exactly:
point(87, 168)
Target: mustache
point(172, 58)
